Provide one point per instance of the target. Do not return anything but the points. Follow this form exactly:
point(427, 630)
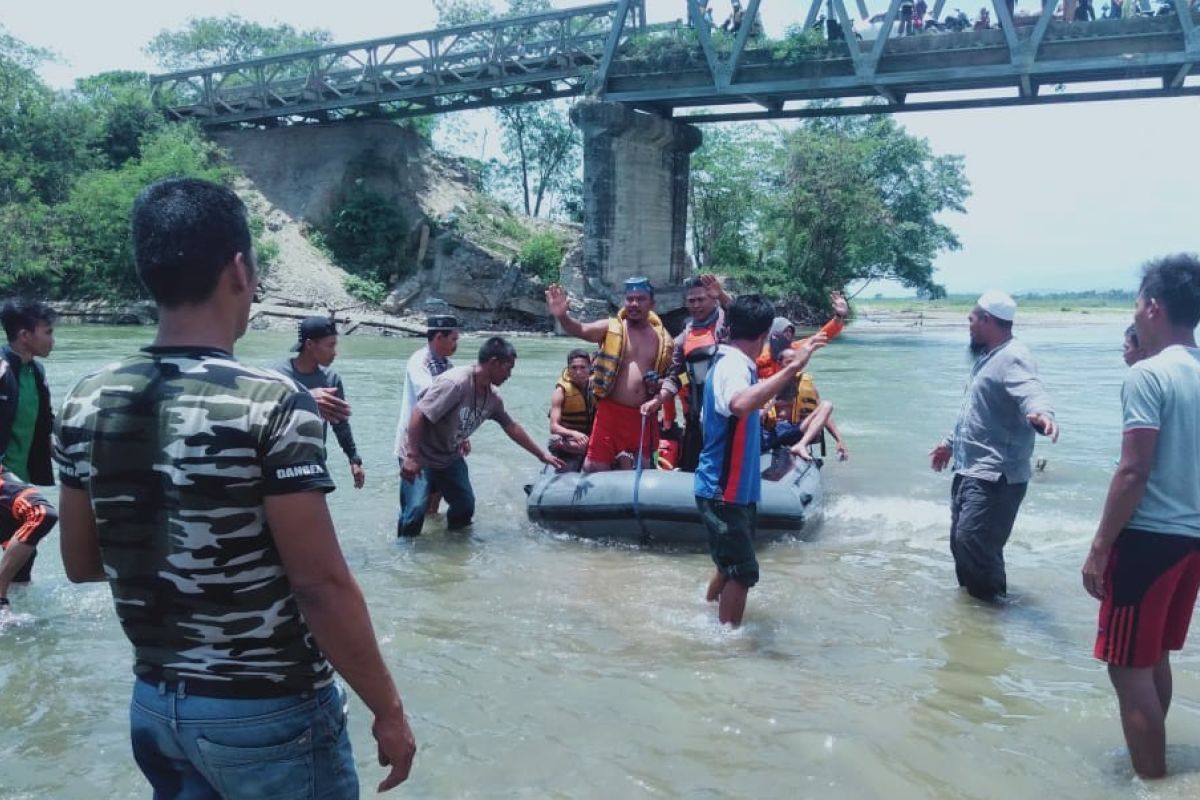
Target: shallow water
point(534, 665)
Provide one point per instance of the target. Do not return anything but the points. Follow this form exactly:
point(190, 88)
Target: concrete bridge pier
point(635, 189)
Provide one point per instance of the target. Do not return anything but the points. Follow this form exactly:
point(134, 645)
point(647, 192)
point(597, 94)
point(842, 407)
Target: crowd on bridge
point(195, 486)
point(914, 17)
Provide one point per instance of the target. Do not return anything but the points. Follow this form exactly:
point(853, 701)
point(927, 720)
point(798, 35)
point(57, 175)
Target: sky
point(1065, 198)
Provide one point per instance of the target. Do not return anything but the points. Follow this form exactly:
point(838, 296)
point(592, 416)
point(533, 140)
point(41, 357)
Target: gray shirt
point(454, 408)
point(323, 378)
point(1162, 393)
point(992, 438)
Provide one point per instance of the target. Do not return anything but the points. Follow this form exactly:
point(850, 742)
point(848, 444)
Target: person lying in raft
point(799, 417)
point(572, 411)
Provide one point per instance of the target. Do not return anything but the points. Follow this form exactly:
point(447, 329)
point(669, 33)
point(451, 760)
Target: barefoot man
point(635, 350)
point(728, 484)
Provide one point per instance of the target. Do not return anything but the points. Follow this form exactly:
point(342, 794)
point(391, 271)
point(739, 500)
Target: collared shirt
point(992, 437)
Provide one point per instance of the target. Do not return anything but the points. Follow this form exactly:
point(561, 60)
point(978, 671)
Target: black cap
point(314, 328)
point(442, 322)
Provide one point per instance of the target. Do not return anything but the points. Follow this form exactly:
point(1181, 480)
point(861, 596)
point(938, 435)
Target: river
point(534, 665)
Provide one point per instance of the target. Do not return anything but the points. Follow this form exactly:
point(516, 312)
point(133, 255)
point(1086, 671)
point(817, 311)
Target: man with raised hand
point(991, 445)
point(635, 351)
point(195, 485)
point(728, 483)
point(1144, 562)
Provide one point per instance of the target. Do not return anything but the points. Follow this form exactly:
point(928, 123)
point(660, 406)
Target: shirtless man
point(635, 350)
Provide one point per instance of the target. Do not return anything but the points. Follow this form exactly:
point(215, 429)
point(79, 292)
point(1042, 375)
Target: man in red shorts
point(1144, 563)
point(635, 351)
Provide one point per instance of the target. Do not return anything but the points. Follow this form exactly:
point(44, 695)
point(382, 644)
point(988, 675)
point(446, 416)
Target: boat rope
point(637, 482)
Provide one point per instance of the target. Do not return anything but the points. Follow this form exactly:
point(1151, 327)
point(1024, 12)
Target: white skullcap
point(999, 304)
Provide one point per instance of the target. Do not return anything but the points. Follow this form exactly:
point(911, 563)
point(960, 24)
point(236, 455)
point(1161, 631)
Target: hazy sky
point(1065, 197)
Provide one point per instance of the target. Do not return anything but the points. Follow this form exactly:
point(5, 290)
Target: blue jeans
point(454, 483)
point(201, 748)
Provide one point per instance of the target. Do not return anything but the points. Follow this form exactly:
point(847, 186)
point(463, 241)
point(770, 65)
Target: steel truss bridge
point(694, 74)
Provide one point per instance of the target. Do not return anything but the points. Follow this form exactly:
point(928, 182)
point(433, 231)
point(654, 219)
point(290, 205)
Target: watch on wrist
point(356, 461)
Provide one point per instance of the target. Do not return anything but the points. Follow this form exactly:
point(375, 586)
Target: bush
point(367, 235)
point(542, 255)
point(365, 289)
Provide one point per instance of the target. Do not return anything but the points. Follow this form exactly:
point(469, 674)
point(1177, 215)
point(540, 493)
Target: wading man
point(991, 445)
point(196, 486)
point(1144, 563)
point(449, 411)
point(26, 417)
point(635, 351)
point(25, 519)
point(310, 367)
point(441, 335)
point(728, 483)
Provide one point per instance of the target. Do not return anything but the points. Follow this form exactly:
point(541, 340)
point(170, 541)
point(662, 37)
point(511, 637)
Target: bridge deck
point(667, 70)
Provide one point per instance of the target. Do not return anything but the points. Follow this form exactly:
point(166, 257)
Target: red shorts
point(617, 429)
point(1152, 581)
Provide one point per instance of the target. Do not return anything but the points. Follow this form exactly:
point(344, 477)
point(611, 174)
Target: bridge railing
point(409, 70)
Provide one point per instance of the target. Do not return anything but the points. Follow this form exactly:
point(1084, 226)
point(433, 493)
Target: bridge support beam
point(635, 188)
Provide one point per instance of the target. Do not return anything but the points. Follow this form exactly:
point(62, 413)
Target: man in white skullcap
point(990, 447)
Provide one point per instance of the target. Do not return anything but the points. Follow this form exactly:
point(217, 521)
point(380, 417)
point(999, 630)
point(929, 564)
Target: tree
point(859, 201)
point(121, 102)
point(725, 193)
point(208, 41)
point(544, 151)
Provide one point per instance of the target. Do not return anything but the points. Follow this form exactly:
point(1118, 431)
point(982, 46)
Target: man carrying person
point(728, 485)
point(572, 410)
point(441, 337)
point(315, 352)
point(1144, 561)
point(195, 485)
point(692, 356)
point(26, 417)
point(991, 445)
point(449, 411)
point(635, 350)
point(25, 519)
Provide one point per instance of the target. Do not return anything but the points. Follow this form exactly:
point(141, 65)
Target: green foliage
point(208, 41)
point(799, 44)
point(365, 289)
point(835, 202)
point(542, 255)
point(367, 234)
point(543, 153)
point(494, 226)
point(123, 113)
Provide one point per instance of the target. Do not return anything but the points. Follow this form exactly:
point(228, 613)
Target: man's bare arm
point(333, 606)
point(78, 539)
point(557, 302)
point(1125, 492)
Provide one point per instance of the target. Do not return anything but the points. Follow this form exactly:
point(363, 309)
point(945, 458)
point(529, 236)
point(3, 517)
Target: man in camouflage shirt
point(196, 486)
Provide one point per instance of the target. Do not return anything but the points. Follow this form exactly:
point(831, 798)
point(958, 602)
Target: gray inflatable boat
point(601, 505)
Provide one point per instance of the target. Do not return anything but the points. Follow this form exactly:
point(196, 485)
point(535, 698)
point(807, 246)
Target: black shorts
point(731, 531)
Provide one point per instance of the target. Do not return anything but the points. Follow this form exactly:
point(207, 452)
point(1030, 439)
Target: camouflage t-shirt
point(177, 448)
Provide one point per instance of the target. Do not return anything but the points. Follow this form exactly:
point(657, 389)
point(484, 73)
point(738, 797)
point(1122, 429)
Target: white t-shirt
point(1163, 393)
point(419, 373)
